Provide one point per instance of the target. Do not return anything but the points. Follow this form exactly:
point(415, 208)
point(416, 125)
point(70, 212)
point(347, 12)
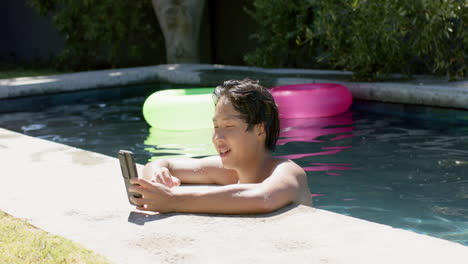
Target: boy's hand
point(160, 175)
point(155, 196)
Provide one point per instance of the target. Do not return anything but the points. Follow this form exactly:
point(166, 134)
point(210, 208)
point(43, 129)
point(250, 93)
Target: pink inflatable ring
point(311, 100)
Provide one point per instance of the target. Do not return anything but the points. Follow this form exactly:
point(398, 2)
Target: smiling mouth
point(224, 153)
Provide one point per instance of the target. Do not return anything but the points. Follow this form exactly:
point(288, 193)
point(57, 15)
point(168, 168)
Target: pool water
point(400, 171)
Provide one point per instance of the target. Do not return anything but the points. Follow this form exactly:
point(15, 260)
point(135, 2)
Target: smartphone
point(128, 167)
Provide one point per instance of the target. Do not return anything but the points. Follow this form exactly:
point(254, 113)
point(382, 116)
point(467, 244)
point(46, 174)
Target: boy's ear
point(261, 128)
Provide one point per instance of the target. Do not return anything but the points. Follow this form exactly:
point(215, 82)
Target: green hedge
point(370, 38)
point(105, 34)
point(280, 24)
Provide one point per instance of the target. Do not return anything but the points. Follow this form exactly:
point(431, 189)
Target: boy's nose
point(218, 136)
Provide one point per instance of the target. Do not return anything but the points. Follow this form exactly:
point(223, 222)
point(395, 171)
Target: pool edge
point(52, 185)
point(422, 90)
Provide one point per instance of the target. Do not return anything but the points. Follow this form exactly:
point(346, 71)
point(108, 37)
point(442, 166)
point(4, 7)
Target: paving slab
point(80, 195)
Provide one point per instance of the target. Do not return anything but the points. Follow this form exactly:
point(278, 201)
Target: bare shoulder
point(288, 168)
point(290, 174)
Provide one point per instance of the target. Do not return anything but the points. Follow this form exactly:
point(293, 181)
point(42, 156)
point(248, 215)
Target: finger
point(149, 185)
point(151, 178)
point(133, 188)
point(159, 178)
point(175, 181)
point(144, 183)
point(134, 180)
point(140, 182)
point(140, 202)
point(137, 189)
point(171, 180)
point(164, 179)
point(136, 201)
point(142, 208)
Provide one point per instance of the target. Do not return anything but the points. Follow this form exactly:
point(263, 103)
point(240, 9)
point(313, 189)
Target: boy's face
point(236, 146)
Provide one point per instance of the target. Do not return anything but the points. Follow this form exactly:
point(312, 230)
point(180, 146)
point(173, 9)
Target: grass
point(21, 242)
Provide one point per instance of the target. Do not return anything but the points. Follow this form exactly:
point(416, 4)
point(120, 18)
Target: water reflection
point(310, 129)
point(170, 143)
point(318, 130)
point(328, 167)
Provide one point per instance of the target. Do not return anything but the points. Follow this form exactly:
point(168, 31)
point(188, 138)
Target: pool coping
point(421, 90)
point(79, 195)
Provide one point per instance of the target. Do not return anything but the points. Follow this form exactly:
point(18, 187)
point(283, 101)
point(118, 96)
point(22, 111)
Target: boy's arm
point(206, 170)
point(280, 189)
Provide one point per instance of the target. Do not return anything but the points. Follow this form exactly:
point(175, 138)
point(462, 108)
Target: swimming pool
point(388, 167)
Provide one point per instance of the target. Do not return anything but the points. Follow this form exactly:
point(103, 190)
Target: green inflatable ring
point(180, 109)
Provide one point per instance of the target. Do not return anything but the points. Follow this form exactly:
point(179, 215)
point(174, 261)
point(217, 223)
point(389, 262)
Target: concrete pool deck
point(80, 195)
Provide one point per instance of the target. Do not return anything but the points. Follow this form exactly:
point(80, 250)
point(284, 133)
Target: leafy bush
point(370, 38)
point(105, 34)
point(279, 26)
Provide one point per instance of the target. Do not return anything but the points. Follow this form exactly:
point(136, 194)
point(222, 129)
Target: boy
point(246, 128)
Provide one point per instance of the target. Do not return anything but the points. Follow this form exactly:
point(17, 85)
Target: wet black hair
point(255, 104)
